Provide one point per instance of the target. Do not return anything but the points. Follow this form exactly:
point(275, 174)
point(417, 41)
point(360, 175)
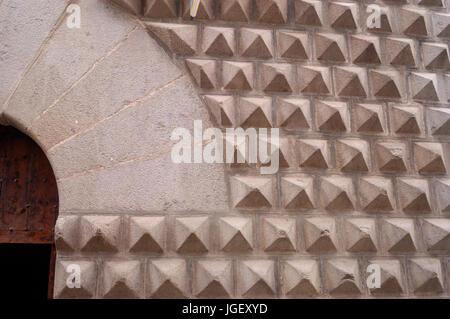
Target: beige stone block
point(213, 279)
point(88, 279)
point(147, 234)
point(256, 278)
point(251, 192)
point(386, 84)
point(256, 43)
point(435, 56)
point(205, 10)
point(438, 121)
point(160, 9)
point(352, 155)
point(271, 11)
point(294, 114)
point(442, 187)
point(179, 38)
point(330, 47)
point(122, 280)
point(313, 154)
point(222, 108)
point(342, 277)
point(392, 282)
point(426, 276)
point(277, 77)
point(413, 21)
point(376, 194)
point(293, 45)
point(441, 24)
point(401, 52)
point(414, 195)
point(369, 118)
point(350, 82)
point(67, 233)
point(343, 15)
point(320, 235)
point(392, 156)
point(236, 234)
point(255, 112)
point(429, 158)
point(203, 72)
point(399, 235)
point(287, 157)
point(386, 19)
point(430, 3)
point(134, 6)
point(297, 192)
point(314, 80)
point(332, 116)
point(100, 233)
point(300, 278)
point(237, 75)
point(337, 193)
point(436, 234)
point(424, 86)
point(192, 235)
point(279, 234)
point(168, 278)
point(407, 119)
point(365, 49)
point(360, 235)
point(235, 10)
point(218, 41)
point(308, 12)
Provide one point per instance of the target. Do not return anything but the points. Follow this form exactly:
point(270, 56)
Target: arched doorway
point(28, 212)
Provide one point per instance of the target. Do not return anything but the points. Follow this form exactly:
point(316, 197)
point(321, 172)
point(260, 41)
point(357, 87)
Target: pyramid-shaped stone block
point(424, 86)
point(236, 149)
point(255, 112)
point(67, 233)
point(235, 10)
point(436, 234)
point(160, 9)
point(342, 277)
point(300, 278)
point(203, 72)
point(279, 234)
point(386, 20)
point(205, 10)
point(294, 114)
point(435, 56)
point(337, 193)
point(391, 157)
point(297, 192)
point(88, 280)
point(168, 278)
point(431, 3)
point(251, 192)
point(407, 119)
point(222, 108)
point(360, 235)
point(399, 235)
point(271, 11)
point(237, 75)
point(391, 279)
point(352, 155)
point(365, 49)
point(293, 45)
point(256, 43)
point(286, 152)
point(414, 195)
point(213, 279)
point(256, 279)
point(192, 234)
point(376, 194)
point(122, 279)
point(330, 47)
point(429, 158)
point(438, 120)
point(320, 235)
point(179, 38)
point(401, 52)
point(369, 118)
point(386, 84)
point(343, 15)
point(413, 21)
point(134, 6)
point(426, 275)
point(236, 234)
point(441, 24)
point(350, 81)
point(147, 234)
point(100, 233)
point(277, 77)
point(443, 194)
point(308, 12)
point(314, 80)
point(218, 41)
point(332, 116)
point(313, 154)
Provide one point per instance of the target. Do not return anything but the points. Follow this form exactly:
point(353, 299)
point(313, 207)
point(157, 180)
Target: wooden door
point(28, 194)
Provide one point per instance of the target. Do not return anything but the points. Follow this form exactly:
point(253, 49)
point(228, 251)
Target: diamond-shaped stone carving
point(277, 77)
point(330, 47)
point(429, 158)
point(435, 56)
point(313, 154)
point(251, 192)
point(271, 11)
point(386, 24)
point(205, 10)
point(386, 84)
point(391, 157)
point(438, 120)
point(424, 86)
point(160, 9)
point(88, 280)
point(342, 277)
point(314, 80)
point(218, 41)
point(191, 234)
point(436, 234)
point(399, 235)
point(391, 280)
point(443, 194)
point(122, 279)
point(401, 51)
point(337, 193)
point(332, 116)
point(297, 192)
point(255, 112)
point(99, 233)
point(360, 235)
point(376, 194)
point(293, 45)
point(365, 49)
point(236, 234)
point(308, 12)
point(134, 6)
point(168, 278)
point(369, 118)
point(343, 15)
point(213, 279)
point(235, 10)
point(300, 277)
point(66, 233)
point(426, 275)
point(256, 43)
point(179, 38)
point(256, 278)
point(352, 155)
point(441, 24)
point(203, 72)
point(413, 21)
point(294, 114)
point(406, 119)
point(147, 234)
point(222, 108)
point(237, 75)
point(350, 81)
point(320, 235)
point(414, 195)
point(279, 234)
